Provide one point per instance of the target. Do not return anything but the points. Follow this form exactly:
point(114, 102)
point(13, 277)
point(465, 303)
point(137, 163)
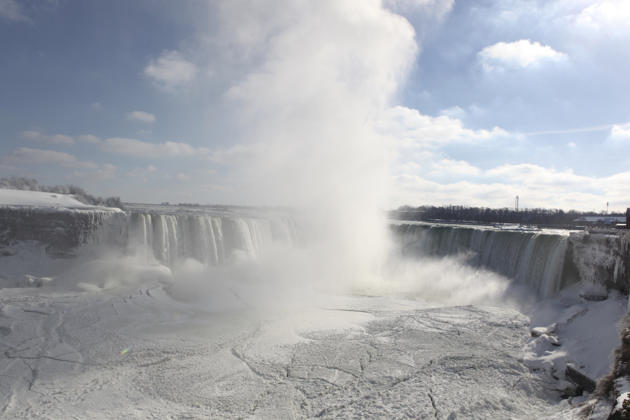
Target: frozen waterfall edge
point(546, 261)
point(157, 233)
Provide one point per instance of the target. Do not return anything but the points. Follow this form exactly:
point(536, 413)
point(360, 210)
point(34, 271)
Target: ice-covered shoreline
point(142, 354)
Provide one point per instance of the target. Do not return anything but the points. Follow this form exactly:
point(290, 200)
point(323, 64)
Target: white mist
point(321, 75)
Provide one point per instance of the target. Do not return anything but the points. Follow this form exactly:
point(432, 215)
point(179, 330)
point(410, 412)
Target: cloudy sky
point(245, 101)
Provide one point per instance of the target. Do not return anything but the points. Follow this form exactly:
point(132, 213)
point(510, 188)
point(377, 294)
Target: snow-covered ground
point(145, 355)
point(43, 201)
point(141, 348)
point(576, 331)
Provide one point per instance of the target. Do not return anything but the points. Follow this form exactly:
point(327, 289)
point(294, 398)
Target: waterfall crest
point(210, 236)
point(535, 258)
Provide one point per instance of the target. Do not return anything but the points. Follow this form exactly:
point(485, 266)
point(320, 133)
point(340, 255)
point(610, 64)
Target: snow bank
point(45, 201)
point(572, 330)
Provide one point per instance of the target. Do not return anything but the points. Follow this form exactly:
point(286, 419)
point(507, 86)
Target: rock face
point(59, 230)
point(580, 379)
point(613, 391)
point(602, 259)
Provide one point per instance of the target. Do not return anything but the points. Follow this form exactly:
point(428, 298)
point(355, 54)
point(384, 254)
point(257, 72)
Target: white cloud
point(32, 160)
point(611, 16)
point(108, 169)
point(416, 190)
point(38, 136)
point(454, 112)
point(412, 129)
point(518, 54)
point(603, 127)
point(99, 172)
point(27, 156)
point(89, 138)
point(45, 138)
point(527, 173)
point(11, 10)
point(620, 133)
point(170, 70)
point(536, 186)
point(138, 148)
point(142, 173)
point(456, 168)
point(96, 106)
point(141, 116)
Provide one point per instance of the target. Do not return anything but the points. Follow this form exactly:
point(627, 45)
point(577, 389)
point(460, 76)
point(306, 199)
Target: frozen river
point(147, 355)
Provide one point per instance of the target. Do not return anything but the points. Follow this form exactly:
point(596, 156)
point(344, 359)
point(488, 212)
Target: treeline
point(489, 215)
point(30, 184)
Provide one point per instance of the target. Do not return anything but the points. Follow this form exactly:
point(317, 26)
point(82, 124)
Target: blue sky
point(472, 102)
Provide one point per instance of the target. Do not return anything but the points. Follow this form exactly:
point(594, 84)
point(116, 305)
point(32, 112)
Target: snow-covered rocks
point(593, 292)
point(600, 260)
point(622, 403)
point(538, 331)
point(574, 375)
point(34, 281)
point(43, 201)
point(577, 348)
point(25, 281)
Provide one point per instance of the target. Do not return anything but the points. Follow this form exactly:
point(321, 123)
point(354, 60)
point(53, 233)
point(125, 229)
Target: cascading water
point(546, 261)
point(209, 236)
point(537, 259)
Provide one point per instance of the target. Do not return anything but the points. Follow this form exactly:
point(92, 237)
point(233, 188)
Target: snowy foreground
point(144, 354)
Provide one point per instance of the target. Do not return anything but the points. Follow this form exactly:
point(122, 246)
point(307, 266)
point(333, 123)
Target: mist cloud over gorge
point(319, 75)
point(322, 73)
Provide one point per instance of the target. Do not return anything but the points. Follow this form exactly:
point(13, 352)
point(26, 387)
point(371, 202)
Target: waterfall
point(211, 237)
point(536, 258)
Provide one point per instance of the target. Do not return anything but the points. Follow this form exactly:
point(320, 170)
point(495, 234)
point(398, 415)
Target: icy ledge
point(43, 201)
point(59, 221)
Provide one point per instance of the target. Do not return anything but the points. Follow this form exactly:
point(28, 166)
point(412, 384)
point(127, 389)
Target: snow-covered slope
point(44, 201)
